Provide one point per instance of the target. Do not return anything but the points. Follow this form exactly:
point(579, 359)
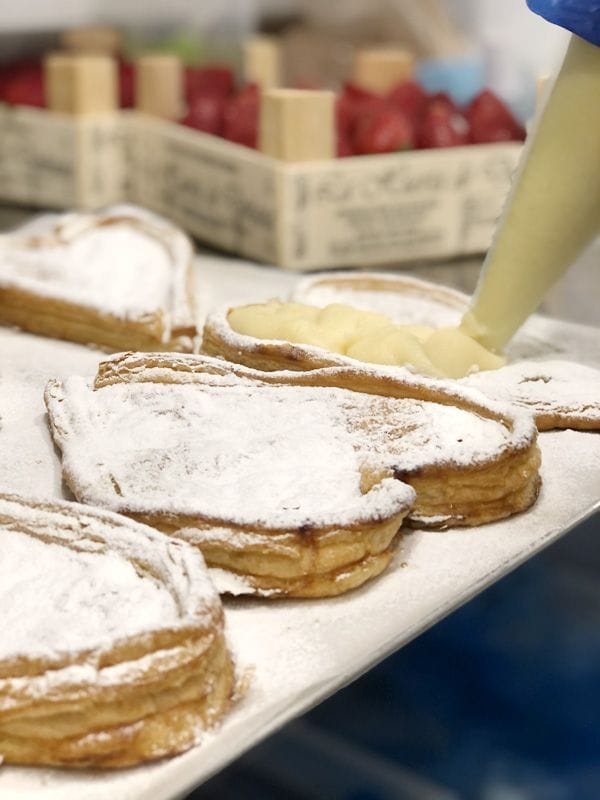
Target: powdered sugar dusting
point(88, 598)
point(269, 458)
point(547, 386)
point(411, 302)
point(303, 651)
point(102, 579)
point(123, 262)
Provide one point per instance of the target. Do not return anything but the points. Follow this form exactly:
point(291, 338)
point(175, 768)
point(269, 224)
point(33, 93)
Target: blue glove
point(581, 17)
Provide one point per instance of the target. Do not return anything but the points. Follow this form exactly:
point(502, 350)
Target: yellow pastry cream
point(366, 336)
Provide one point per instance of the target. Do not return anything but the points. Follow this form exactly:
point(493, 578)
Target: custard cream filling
point(366, 336)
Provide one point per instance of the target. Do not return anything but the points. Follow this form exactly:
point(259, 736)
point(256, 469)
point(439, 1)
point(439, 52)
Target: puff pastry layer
point(118, 279)
point(287, 479)
point(113, 650)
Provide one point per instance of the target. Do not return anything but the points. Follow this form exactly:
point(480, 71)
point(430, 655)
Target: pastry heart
point(286, 479)
point(119, 278)
point(114, 651)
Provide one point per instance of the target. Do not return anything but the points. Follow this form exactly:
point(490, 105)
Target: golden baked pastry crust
point(280, 546)
point(354, 288)
point(448, 494)
point(43, 311)
point(220, 340)
point(396, 428)
point(131, 694)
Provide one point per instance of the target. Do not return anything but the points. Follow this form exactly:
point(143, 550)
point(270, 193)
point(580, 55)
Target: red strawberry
point(23, 85)
point(442, 127)
point(491, 120)
point(240, 120)
point(355, 92)
point(384, 131)
point(344, 146)
point(208, 79)
point(352, 105)
point(345, 114)
point(205, 113)
point(409, 97)
point(442, 100)
point(126, 85)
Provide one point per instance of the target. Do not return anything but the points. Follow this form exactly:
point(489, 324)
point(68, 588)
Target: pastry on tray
point(402, 298)
point(113, 651)
point(296, 336)
point(286, 480)
point(119, 279)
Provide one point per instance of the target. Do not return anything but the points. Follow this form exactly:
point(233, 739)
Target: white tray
point(300, 652)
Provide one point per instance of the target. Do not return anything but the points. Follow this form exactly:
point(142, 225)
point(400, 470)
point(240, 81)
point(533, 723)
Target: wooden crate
point(366, 210)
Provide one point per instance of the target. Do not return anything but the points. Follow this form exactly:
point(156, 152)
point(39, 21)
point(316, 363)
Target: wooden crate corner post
point(84, 86)
point(296, 127)
point(380, 69)
point(262, 62)
point(81, 84)
point(297, 124)
point(92, 39)
point(159, 86)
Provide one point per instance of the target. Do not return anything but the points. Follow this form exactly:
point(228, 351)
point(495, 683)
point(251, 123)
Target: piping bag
point(553, 209)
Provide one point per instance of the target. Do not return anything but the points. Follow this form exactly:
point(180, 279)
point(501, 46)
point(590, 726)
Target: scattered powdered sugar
point(123, 262)
point(74, 579)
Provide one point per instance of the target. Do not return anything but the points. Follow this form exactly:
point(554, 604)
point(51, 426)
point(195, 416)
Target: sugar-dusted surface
point(303, 651)
point(127, 268)
point(275, 457)
point(551, 386)
point(100, 269)
point(89, 598)
point(119, 579)
point(410, 308)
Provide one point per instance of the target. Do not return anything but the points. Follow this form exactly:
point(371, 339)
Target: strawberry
point(352, 105)
point(209, 79)
point(126, 85)
point(442, 127)
point(344, 145)
point(383, 130)
point(410, 98)
point(22, 84)
point(356, 93)
point(240, 119)
point(345, 114)
point(442, 100)
point(491, 121)
point(205, 113)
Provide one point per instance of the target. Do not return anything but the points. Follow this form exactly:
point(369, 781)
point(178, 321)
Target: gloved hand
point(581, 17)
